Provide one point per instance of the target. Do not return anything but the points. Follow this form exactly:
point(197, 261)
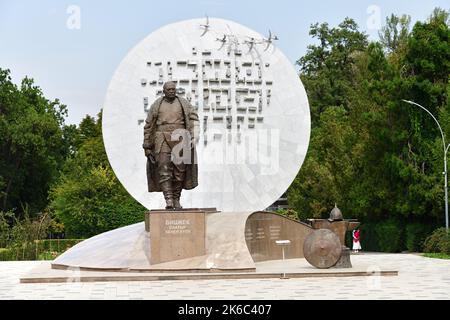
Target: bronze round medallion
point(322, 248)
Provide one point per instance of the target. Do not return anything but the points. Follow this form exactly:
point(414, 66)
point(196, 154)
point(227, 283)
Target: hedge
point(415, 235)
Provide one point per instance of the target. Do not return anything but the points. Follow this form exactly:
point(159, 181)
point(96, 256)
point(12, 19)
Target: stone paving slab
point(418, 278)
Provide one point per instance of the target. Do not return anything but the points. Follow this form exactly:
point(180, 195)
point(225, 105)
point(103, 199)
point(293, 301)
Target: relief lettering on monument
point(248, 234)
point(238, 82)
point(275, 232)
point(260, 233)
point(176, 235)
point(182, 226)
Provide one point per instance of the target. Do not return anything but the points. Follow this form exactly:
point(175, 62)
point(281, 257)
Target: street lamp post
point(445, 159)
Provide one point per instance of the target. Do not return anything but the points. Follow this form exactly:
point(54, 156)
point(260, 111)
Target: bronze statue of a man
point(170, 134)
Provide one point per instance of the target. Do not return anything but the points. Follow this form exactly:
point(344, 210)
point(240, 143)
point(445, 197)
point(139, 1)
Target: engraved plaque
point(263, 229)
point(176, 235)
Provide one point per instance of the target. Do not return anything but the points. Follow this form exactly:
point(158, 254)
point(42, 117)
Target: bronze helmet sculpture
point(335, 214)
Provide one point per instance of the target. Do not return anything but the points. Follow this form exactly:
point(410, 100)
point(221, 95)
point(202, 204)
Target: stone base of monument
point(272, 269)
point(176, 235)
point(194, 240)
point(211, 245)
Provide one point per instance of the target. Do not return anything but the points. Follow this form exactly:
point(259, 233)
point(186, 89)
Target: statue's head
point(169, 89)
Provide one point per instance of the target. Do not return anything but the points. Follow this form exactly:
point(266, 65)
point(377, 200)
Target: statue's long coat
point(191, 122)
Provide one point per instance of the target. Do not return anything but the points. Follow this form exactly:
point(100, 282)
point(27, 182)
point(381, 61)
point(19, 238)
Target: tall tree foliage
point(326, 69)
point(32, 144)
point(377, 157)
point(395, 33)
point(328, 73)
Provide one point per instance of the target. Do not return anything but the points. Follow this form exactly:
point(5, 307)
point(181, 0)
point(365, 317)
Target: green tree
point(326, 68)
point(395, 33)
point(328, 72)
point(32, 144)
point(377, 157)
point(88, 199)
point(329, 168)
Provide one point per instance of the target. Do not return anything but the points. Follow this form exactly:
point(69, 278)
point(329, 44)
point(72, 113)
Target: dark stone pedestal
point(344, 261)
point(176, 235)
point(340, 227)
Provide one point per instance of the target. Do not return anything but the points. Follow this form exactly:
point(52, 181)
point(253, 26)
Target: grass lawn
point(437, 255)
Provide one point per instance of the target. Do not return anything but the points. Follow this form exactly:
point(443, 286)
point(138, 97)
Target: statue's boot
point(177, 187)
point(167, 190)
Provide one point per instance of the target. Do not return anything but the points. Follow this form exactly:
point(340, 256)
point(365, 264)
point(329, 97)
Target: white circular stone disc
point(274, 134)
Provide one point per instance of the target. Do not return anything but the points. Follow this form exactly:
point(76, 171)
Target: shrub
point(37, 250)
point(415, 235)
point(288, 213)
point(5, 254)
point(5, 230)
point(438, 242)
point(389, 234)
point(369, 238)
point(48, 255)
point(94, 202)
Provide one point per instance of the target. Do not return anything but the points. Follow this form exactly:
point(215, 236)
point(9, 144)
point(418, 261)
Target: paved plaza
point(418, 278)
